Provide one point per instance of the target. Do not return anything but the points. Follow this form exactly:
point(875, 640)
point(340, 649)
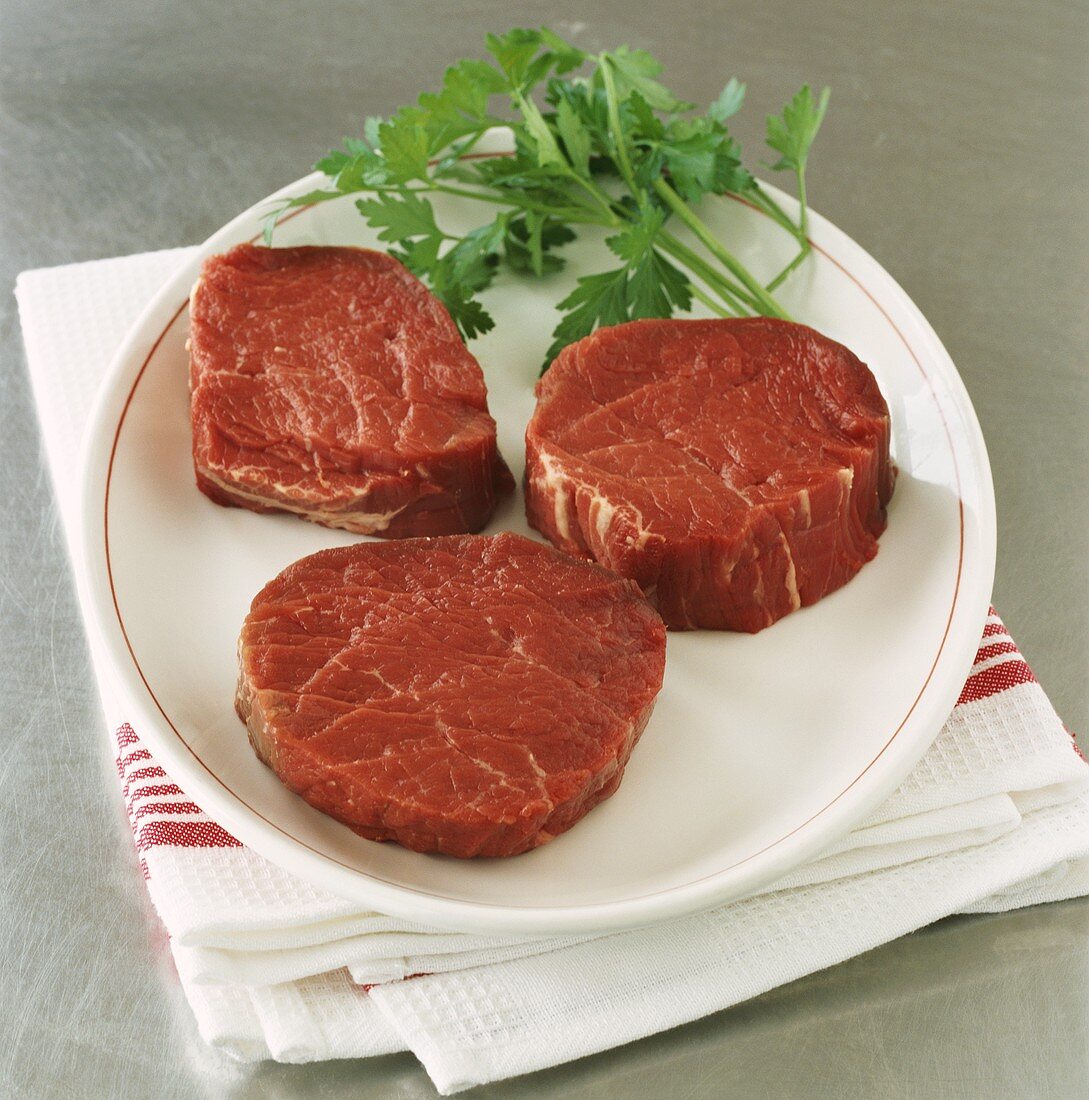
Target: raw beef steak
point(329, 382)
point(470, 695)
point(736, 469)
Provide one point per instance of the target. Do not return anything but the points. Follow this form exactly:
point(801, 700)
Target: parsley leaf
point(332, 163)
point(690, 155)
point(791, 134)
point(576, 138)
point(468, 314)
point(597, 299)
point(400, 217)
point(529, 239)
point(404, 145)
point(466, 89)
point(371, 126)
point(644, 124)
point(729, 101)
point(655, 286)
point(636, 240)
point(635, 72)
point(421, 256)
point(519, 56)
point(474, 258)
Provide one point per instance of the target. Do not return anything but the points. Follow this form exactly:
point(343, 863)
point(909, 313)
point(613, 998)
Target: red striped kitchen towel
point(995, 816)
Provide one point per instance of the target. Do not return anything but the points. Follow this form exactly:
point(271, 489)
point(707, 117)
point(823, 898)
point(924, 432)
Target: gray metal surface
point(956, 150)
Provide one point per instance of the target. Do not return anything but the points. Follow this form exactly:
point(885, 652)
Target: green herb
point(791, 135)
point(598, 141)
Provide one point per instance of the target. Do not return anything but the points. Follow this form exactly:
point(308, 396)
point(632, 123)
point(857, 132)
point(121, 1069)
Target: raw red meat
point(470, 695)
point(736, 469)
point(329, 382)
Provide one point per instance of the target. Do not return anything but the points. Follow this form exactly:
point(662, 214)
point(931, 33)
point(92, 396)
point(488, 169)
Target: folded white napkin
point(994, 817)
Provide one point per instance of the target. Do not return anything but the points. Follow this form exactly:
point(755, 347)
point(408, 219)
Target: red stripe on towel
point(184, 834)
point(994, 680)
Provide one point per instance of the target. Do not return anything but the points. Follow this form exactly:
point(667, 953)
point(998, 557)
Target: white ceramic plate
point(762, 750)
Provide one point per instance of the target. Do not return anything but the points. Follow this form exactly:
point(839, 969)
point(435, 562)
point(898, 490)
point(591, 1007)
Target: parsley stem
point(567, 213)
point(710, 303)
point(766, 304)
point(781, 277)
point(573, 214)
point(803, 220)
point(764, 202)
point(733, 295)
point(623, 162)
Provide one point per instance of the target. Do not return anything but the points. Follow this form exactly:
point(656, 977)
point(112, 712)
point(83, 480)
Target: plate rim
point(970, 605)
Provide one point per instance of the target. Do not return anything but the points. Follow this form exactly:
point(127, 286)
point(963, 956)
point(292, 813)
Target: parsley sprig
point(598, 141)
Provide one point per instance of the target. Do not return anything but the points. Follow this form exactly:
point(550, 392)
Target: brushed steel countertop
point(956, 150)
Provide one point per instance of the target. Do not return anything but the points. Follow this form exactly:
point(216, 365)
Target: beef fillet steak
point(470, 695)
point(736, 469)
point(329, 382)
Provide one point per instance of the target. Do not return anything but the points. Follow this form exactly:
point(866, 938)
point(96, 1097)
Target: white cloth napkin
point(994, 817)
